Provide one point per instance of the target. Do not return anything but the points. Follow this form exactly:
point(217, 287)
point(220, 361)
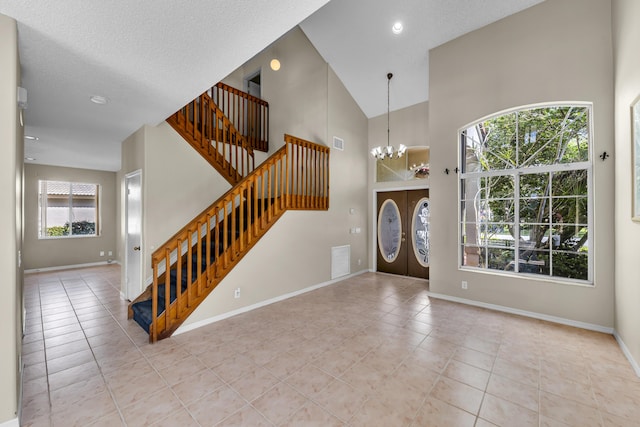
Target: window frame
point(42, 210)
point(516, 173)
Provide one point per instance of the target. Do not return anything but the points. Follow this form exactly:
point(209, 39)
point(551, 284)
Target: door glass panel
point(389, 230)
point(420, 231)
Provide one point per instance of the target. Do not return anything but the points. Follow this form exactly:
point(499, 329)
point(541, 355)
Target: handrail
point(204, 125)
point(248, 113)
point(294, 177)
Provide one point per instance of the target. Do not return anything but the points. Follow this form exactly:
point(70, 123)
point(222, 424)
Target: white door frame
point(132, 292)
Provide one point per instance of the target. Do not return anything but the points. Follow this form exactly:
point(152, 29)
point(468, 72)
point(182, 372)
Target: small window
point(68, 209)
point(525, 193)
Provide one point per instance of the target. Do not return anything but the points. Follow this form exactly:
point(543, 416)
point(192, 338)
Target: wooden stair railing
point(196, 259)
point(207, 129)
point(249, 114)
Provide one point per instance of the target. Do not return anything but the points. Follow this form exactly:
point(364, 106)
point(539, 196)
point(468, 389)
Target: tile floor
point(373, 350)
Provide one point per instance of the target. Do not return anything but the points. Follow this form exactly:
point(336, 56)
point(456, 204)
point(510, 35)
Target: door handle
point(136, 248)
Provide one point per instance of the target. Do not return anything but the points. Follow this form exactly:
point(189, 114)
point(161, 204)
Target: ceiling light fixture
point(30, 158)
point(397, 28)
point(275, 64)
point(381, 152)
point(97, 99)
point(31, 138)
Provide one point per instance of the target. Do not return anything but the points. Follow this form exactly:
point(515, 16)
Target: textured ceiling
point(149, 57)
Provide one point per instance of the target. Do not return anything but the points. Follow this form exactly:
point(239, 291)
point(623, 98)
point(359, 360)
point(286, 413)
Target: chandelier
point(389, 151)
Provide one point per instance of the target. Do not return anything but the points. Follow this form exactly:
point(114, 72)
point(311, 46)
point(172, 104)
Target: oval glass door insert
point(420, 231)
point(389, 230)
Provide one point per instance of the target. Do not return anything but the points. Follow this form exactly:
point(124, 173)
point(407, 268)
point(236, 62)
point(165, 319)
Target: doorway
point(403, 232)
point(133, 234)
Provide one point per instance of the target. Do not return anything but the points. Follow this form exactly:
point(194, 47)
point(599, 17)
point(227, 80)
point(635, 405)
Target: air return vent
point(338, 143)
point(340, 261)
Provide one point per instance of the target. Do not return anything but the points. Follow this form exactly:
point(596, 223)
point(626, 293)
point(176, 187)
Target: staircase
point(198, 257)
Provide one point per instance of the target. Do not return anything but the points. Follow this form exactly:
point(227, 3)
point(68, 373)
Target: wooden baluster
point(225, 236)
point(208, 250)
point(179, 277)
point(167, 288)
point(241, 226)
point(153, 331)
point(199, 257)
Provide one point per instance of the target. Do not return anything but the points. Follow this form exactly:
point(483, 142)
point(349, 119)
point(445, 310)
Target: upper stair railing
point(200, 255)
point(249, 114)
point(206, 128)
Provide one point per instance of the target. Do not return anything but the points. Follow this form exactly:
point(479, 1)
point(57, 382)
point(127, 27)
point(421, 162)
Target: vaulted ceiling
point(149, 57)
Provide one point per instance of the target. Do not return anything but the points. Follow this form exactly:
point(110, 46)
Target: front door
point(403, 233)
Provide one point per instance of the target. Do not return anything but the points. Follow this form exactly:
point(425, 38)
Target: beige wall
point(44, 253)
point(627, 233)
point(559, 50)
point(11, 161)
point(307, 100)
point(303, 72)
point(177, 184)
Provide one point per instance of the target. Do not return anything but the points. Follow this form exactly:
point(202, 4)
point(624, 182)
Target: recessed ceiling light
point(31, 138)
point(97, 99)
point(397, 28)
point(275, 64)
point(30, 158)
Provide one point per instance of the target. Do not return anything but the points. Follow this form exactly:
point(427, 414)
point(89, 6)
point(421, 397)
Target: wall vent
point(340, 261)
point(338, 143)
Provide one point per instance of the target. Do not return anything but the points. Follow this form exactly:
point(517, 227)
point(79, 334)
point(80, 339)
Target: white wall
point(559, 50)
point(11, 163)
point(307, 100)
point(627, 233)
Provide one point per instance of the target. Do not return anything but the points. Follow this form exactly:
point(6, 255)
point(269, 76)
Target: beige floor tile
point(65, 396)
point(245, 417)
point(375, 412)
point(84, 412)
point(457, 394)
point(436, 413)
point(177, 418)
point(340, 399)
point(408, 359)
point(197, 386)
point(312, 415)
point(515, 392)
point(279, 403)
point(137, 389)
point(216, 406)
point(467, 374)
point(505, 413)
point(254, 383)
point(567, 411)
point(147, 411)
point(523, 374)
point(309, 380)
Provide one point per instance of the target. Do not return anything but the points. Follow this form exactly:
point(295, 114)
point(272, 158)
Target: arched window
point(525, 192)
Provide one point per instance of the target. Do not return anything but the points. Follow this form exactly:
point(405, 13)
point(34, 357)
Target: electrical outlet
point(236, 293)
point(464, 284)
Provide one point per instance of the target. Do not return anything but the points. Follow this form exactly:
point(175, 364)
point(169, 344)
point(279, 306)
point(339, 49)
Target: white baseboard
point(534, 315)
point(68, 267)
point(627, 353)
point(11, 423)
point(201, 323)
